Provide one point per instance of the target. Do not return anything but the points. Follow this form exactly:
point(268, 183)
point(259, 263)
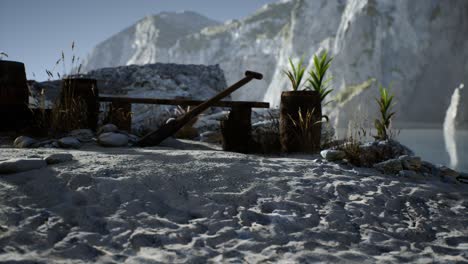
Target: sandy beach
point(194, 204)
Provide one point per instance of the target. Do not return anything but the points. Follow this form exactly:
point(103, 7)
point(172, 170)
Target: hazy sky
point(36, 31)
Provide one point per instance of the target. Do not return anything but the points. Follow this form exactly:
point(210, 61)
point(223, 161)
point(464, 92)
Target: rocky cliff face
point(147, 41)
point(418, 47)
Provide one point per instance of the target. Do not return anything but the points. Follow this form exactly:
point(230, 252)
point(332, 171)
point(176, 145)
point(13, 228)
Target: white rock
point(69, 142)
point(21, 165)
point(332, 155)
point(24, 142)
point(107, 129)
point(113, 140)
point(59, 158)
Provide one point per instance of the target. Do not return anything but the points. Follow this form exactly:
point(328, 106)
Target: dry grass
point(69, 112)
point(268, 140)
point(304, 127)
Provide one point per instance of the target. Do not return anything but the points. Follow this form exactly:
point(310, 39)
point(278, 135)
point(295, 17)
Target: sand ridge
point(166, 205)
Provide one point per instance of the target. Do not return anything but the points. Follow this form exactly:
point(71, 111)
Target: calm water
point(430, 145)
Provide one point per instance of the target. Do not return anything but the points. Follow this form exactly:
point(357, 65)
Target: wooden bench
point(236, 129)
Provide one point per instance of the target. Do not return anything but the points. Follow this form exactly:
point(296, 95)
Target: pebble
point(69, 142)
point(107, 129)
point(24, 142)
point(113, 140)
point(333, 155)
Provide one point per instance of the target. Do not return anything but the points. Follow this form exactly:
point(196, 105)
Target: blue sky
point(36, 31)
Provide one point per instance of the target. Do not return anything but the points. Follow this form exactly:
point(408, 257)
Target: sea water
point(429, 144)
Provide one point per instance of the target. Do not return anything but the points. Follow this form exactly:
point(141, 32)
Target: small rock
point(379, 151)
point(410, 162)
point(332, 155)
point(58, 158)
point(447, 172)
point(69, 142)
point(211, 137)
point(21, 165)
point(113, 140)
point(83, 135)
point(45, 143)
point(133, 139)
point(107, 129)
point(391, 166)
point(24, 142)
point(410, 174)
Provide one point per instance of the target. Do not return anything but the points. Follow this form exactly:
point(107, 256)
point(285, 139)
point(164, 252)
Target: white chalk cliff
point(419, 47)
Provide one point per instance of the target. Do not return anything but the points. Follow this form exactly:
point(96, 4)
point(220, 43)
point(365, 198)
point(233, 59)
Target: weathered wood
point(156, 137)
point(14, 112)
point(120, 114)
point(181, 102)
point(237, 130)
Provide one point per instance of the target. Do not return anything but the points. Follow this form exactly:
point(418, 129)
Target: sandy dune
point(162, 205)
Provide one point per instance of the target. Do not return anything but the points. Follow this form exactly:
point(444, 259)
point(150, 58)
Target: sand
point(194, 204)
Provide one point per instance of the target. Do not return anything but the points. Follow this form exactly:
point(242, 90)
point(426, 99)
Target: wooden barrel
point(84, 91)
point(293, 133)
point(14, 96)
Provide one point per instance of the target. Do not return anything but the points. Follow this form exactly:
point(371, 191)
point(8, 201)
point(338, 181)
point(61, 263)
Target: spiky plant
point(316, 80)
point(382, 124)
point(295, 74)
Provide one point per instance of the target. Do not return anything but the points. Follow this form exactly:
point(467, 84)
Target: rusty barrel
point(14, 96)
point(298, 135)
point(84, 91)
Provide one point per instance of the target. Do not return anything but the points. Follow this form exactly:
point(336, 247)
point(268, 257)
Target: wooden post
point(237, 130)
point(120, 114)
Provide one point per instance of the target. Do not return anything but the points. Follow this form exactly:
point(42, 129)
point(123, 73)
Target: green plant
point(316, 80)
point(296, 74)
point(382, 124)
point(3, 54)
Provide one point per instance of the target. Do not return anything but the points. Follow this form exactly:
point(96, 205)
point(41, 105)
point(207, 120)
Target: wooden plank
point(182, 102)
